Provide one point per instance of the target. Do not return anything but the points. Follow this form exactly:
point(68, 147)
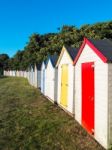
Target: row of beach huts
point(80, 82)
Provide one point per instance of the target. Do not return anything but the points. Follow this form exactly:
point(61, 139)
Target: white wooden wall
point(39, 79)
point(50, 81)
point(35, 76)
point(13, 73)
point(109, 105)
point(42, 82)
point(33, 81)
point(32, 76)
point(66, 60)
point(101, 93)
point(56, 85)
point(4, 73)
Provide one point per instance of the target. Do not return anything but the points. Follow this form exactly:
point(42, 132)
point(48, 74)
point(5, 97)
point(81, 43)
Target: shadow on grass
point(2, 77)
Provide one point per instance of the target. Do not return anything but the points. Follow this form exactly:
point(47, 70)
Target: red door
point(88, 96)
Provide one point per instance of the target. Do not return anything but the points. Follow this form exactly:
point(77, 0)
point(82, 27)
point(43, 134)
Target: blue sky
point(20, 18)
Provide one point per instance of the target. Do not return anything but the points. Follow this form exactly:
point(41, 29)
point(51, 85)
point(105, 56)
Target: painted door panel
point(88, 96)
point(50, 83)
point(64, 85)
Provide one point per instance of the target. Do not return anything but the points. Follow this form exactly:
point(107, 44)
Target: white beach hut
point(93, 89)
point(51, 78)
point(32, 75)
point(43, 69)
point(65, 79)
point(29, 74)
point(37, 75)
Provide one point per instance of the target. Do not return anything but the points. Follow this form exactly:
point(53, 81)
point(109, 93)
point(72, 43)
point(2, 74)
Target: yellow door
point(64, 85)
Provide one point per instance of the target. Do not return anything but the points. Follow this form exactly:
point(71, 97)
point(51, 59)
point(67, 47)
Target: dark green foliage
point(39, 46)
point(4, 58)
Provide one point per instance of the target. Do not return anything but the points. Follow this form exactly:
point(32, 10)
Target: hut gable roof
point(53, 59)
point(38, 66)
point(103, 48)
point(44, 63)
point(31, 67)
point(72, 52)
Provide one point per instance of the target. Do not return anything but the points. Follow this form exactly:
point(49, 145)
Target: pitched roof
point(44, 62)
point(72, 51)
point(31, 67)
point(38, 66)
point(53, 59)
point(104, 46)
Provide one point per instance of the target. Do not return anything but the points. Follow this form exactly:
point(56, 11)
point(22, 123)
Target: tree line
point(39, 46)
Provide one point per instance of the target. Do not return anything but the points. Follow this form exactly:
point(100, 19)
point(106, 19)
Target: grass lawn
point(28, 121)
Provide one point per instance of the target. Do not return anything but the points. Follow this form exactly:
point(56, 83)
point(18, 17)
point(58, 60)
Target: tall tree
point(39, 46)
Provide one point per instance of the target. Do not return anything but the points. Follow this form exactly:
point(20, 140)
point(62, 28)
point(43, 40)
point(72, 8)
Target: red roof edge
point(80, 51)
point(86, 41)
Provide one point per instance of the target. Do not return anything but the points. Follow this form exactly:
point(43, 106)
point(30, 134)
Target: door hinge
point(92, 131)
